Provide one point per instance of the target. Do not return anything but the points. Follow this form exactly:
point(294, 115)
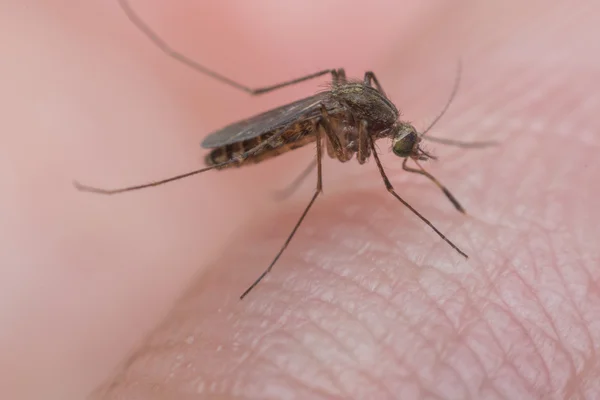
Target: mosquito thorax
point(367, 103)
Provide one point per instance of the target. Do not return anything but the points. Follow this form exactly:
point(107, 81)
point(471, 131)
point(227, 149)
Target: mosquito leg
point(334, 145)
point(458, 143)
point(390, 189)
point(422, 171)
point(319, 131)
point(370, 78)
point(291, 188)
point(341, 76)
point(337, 74)
point(363, 143)
point(240, 158)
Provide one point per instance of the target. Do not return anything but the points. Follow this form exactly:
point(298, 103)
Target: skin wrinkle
point(381, 297)
point(439, 306)
point(349, 314)
point(508, 361)
point(463, 332)
point(352, 258)
point(259, 355)
point(385, 300)
point(569, 299)
point(590, 282)
point(487, 381)
point(495, 339)
point(369, 227)
point(492, 285)
point(372, 228)
point(314, 356)
point(540, 303)
point(417, 329)
point(322, 361)
point(334, 380)
point(575, 372)
point(555, 340)
point(454, 340)
point(520, 324)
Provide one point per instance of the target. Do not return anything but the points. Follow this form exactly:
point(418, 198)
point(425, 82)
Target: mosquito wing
point(268, 121)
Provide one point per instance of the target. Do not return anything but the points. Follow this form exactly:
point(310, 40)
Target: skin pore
point(137, 295)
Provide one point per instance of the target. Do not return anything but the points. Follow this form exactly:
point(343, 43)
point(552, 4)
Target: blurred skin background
point(137, 295)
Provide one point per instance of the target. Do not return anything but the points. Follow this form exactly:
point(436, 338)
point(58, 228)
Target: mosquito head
point(405, 141)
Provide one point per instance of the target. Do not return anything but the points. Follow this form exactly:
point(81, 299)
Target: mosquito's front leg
point(422, 171)
point(390, 188)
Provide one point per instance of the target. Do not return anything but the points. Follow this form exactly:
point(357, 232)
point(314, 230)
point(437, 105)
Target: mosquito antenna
point(452, 142)
point(168, 50)
point(452, 95)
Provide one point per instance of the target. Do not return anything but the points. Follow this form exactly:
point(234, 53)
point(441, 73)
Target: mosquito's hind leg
point(238, 159)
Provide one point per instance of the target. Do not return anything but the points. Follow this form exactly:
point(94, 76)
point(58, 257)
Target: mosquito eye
point(404, 147)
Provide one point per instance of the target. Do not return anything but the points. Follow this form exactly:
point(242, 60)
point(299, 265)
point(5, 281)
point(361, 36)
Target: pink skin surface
point(136, 295)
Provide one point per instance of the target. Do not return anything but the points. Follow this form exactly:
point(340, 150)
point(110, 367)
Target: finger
point(371, 306)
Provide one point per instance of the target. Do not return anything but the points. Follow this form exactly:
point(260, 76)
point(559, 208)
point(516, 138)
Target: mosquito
point(344, 121)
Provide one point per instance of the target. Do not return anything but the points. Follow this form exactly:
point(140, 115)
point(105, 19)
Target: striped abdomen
point(296, 136)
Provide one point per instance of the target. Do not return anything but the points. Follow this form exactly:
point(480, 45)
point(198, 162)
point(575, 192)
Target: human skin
point(136, 295)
